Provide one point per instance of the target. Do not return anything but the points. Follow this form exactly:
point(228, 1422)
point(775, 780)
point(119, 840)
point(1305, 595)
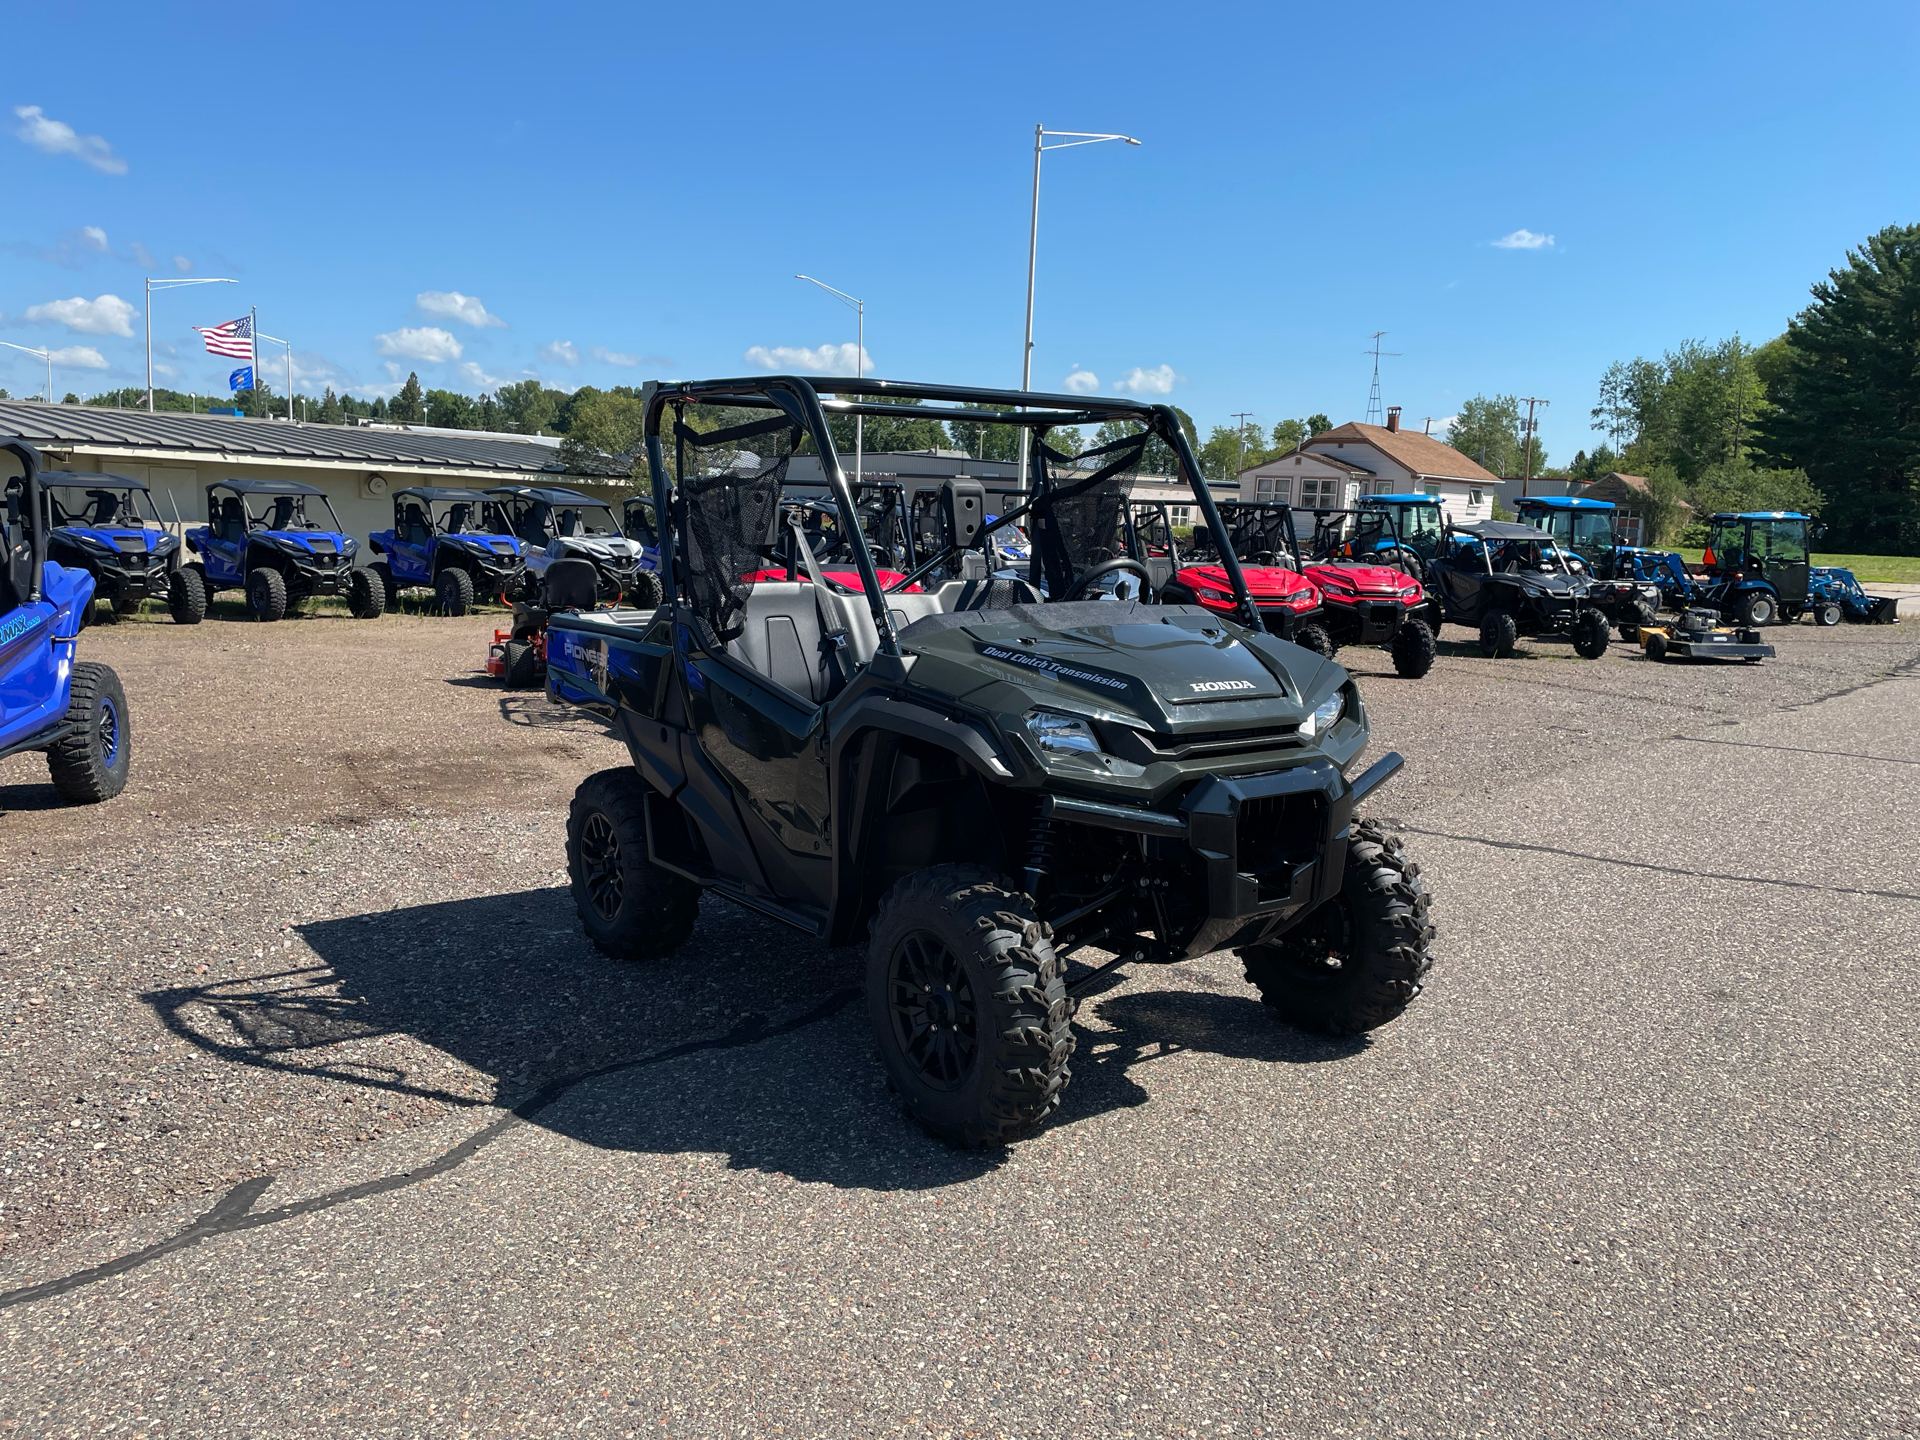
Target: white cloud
point(143, 257)
point(1158, 381)
point(614, 357)
point(827, 360)
point(103, 315)
point(182, 264)
point(452, 305)
point(84, 356)
point(1082, 382)
point(474, 375)
point(561, 352)
point(1523, 240)
point(56, 137)
point(94, 238)
point(426, 343)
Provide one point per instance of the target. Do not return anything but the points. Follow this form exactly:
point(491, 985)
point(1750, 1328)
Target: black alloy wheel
point(630, 908)
point(600, 865)
point(934, 1017)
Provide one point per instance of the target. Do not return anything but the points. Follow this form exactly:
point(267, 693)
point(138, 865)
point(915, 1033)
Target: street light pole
point(859, 370)
point(1069, 139)
point(289, 344)
point(46, 355)
point(164, 284)
point(1526, 468)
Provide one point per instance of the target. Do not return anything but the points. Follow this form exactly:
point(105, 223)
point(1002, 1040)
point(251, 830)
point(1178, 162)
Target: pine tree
point(408, 407)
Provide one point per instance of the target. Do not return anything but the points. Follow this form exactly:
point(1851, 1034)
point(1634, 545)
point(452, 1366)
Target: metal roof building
point(357, 466)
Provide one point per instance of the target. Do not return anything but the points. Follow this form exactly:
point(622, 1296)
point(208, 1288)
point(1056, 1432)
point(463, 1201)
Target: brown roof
point(1297, 453)
point(1422, 454)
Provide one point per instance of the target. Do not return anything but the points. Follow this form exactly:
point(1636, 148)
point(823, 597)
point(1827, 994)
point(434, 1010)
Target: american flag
point(234, 338)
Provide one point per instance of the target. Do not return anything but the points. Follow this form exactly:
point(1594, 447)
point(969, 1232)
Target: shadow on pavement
point(508, 985)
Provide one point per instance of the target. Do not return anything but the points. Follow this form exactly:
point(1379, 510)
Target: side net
point(729, 497)
point(1080, 515)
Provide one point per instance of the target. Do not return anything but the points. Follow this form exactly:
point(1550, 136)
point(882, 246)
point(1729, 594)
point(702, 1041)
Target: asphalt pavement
point(322, 1120)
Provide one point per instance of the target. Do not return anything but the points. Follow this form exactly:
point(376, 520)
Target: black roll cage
point(30, 497)
point(1387, 514)
point(800, 400)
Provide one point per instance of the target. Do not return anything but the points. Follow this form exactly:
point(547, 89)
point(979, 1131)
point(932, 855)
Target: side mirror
point(1816, 531)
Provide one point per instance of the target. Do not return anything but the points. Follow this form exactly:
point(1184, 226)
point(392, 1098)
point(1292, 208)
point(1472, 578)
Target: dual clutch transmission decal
point(1103, 682)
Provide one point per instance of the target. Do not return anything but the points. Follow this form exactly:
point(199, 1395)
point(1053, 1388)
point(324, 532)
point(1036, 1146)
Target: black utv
point(983, 786)
point(1508, 580)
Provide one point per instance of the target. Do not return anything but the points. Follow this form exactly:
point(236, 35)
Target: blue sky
point(602, 194)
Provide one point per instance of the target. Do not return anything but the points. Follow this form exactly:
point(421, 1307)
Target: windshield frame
point(150, 521)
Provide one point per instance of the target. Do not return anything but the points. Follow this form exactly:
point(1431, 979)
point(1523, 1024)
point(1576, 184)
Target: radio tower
point(1374, 413)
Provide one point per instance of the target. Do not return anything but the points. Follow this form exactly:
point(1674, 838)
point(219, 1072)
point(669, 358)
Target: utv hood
point(1264, 582)
point(619, 551)
point(1171, 668)
point(1551, 586)
point(1381, 582)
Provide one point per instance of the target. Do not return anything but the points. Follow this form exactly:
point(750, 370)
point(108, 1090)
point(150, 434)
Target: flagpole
point(169, 285)
point(253, 339)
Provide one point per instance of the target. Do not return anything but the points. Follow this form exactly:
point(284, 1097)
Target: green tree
point(605, 435)
point(527, 407)
point(888, 432)
point(331, 410)
point(450, 410)
point(1695, 407)
point(1846, 395)
point(1487, 430)
point(407, 408)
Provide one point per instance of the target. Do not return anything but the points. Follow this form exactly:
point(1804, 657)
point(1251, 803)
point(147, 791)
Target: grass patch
point(1868, 569)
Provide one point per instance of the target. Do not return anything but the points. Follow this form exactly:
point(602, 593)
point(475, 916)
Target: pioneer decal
point(1119, 686)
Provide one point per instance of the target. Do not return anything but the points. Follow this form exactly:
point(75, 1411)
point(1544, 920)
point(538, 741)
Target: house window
point(1180, 515)
point(1432, 487)
point(1383, 487)
point(1475, 497)
point(1319, 494)
point(1275, 489)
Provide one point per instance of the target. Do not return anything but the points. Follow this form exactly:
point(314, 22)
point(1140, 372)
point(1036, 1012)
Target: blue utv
point(282, 543)
point(75, 711)
point(106, 525)
point(452, 541)
point(555, 524)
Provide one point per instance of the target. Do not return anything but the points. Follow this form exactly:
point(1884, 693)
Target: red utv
point(1288, 599)
point(1373, 594)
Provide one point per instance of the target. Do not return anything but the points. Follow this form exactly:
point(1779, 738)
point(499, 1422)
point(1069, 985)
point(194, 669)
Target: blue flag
point(241, 379)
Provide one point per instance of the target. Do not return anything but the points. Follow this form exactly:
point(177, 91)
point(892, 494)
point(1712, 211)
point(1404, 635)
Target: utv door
point(226, 553)
point(1460, 593)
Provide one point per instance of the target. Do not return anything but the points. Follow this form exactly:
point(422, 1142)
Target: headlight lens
point(1324, 715)
point(1061, 734)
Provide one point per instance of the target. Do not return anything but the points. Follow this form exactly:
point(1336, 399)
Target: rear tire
point(1826, 613)
point(1499, 632)
point(389, 588)
point(521, 665)
point(266, 594)
point(1591, 635)
point(90, 765)
point(1413, 649)
point(645, 594)
point(455, 589)
point(1316, 638)
point(187, 596)
point(1360, 959)
point(366, 595)
point(969, 1005)
point(630, 908)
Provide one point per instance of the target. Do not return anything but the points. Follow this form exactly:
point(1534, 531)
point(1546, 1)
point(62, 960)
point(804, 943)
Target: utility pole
point(1526, 467)
point(1374, 412)
point(1240, 461)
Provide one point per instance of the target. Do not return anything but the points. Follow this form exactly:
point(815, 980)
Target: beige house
point(1331, 471)
point(359, 467)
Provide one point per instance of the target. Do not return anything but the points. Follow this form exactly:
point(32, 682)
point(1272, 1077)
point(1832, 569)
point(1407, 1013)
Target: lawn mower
point(1698, 635)
point(554, 524)
point(979, 785)
point(107, 526)
point(518, 654)
point(1508, 580)
point(73, 710)
point(280, 540)
point(452, 541)
point(1585, 528)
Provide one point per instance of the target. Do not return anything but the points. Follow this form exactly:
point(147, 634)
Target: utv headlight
point(1324, 715)
point(1061, 734)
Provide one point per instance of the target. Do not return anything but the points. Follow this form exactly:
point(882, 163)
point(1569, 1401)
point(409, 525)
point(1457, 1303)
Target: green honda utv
point(1006, 785)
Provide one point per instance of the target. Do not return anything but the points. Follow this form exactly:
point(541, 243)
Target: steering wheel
point(1107, 567)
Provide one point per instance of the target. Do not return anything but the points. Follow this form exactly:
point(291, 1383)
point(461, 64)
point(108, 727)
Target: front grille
point(1275, 833)
point(1146, 746)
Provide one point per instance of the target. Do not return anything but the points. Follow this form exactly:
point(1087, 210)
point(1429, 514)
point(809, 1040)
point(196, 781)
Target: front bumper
point(132, 580)
point(1364, 621)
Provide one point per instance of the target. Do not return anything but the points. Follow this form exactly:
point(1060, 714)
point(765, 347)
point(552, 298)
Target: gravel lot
point(1641, 1161)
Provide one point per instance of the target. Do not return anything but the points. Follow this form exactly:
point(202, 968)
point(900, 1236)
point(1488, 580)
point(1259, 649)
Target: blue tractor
point(74, 711)
point(1757, 569)
point(106, 525)
point(1584, 529)
point(453, 541)
point(280, 541)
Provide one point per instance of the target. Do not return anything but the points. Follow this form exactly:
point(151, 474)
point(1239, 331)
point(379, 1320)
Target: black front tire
point(1656, 647)
point(1591, 635)
point(187, 596)
point(90, 765)
point(630, 908)
point(1316, 638)
point(1413, 648)
point(969, 1005)
point(1755, 608)
point(1826, 613)
point(521, 665)
point(1499, 633)
point(366, 595)
point(645, 594)
point(267, 594)
point(1360, 959)
point(455, 589)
